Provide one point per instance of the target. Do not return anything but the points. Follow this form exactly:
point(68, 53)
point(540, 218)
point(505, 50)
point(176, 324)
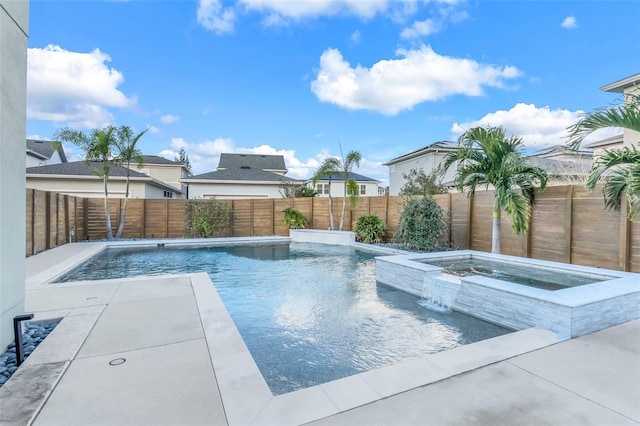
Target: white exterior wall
point(428, 162)
point(168, 174)
point(14, 29)
point(337, 189)
point(93, 188)
point(234, 190)
point(35, 161)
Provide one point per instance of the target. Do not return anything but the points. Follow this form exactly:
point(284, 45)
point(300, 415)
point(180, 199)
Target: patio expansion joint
point(570, 391)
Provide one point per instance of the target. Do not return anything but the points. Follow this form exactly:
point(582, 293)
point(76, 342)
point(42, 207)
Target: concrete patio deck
point(163, 350)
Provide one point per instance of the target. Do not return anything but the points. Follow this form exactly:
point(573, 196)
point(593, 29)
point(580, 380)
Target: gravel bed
point(34, 334)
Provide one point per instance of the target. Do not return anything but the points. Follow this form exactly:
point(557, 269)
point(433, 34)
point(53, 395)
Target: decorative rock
point(12, 369)
point(3, 379)
point(2, 369)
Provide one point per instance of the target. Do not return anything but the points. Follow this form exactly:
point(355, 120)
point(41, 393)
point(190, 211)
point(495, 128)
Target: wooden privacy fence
point(568, 223)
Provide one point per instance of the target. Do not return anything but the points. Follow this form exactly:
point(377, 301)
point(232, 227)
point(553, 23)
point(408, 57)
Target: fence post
point(625, 237)
point(568, 225)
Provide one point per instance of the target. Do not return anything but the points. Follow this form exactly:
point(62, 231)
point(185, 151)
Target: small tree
point(183, 159)
point(127, 153)
point(422, 225)
point(489, 158)
point(327, 169)
point(98, 146)
point(418, 183)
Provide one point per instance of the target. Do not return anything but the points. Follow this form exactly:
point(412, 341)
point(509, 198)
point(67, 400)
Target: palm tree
point(127, 153)
point(619, 169)
point(98, 146)
point(487, 158)
point(350, 185)
point(329, 167)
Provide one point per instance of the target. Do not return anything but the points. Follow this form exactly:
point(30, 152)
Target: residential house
point(427, 158)
point(367, 187)
point(627, 86)
point(79, 178)
point(168, 171)
point(241, 176)
point(40, 153)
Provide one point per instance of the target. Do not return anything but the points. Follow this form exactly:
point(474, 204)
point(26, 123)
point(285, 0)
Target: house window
point(168, 194)
point(363, 189)
point(322, 188)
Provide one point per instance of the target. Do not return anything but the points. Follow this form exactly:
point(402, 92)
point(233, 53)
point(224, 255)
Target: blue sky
point(298, 78)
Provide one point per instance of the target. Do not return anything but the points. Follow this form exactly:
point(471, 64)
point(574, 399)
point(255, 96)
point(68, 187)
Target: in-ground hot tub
point(570, 300)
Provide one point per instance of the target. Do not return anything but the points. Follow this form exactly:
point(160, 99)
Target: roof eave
point(620, 85)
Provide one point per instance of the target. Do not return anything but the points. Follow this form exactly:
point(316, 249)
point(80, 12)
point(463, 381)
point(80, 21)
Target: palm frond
point(626, 116)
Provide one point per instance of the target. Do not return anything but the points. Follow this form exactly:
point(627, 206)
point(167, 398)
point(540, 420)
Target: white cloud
point(204, 157)
point(422, 29)
point(538, 126)
point(168, 119)
point(394, 85)
point(355, 37)
point(73, 87)
point(154, 130)
point(569, 23)
point(212, 16)
point(285, 11)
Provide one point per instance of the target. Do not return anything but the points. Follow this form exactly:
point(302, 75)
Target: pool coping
point(246, 396)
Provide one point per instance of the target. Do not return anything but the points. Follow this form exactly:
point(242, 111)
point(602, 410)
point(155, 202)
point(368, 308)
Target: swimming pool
point(309, 313)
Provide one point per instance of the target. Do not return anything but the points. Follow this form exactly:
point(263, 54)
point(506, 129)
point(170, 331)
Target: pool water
point(308, 313)
point(524, 274)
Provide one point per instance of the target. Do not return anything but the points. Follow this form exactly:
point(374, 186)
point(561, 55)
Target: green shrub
point(422, 226)
point(206, 218)
point(370, 229)
point(294, 219)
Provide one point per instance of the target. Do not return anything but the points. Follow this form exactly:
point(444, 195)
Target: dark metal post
point(17, 333)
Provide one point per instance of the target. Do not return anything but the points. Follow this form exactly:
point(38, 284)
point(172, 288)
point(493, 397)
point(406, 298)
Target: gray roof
point(557, 166)
point(561, 149)
point(80, 168)
point(434, 147)
point(350, 175)
point(241, 175)
point(83, 168)
point(156, 159)
point(45, 149)
point(253, 161)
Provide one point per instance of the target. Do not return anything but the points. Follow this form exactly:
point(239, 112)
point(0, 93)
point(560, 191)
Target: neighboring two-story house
point(627, 86)
point(427, 158)
point(241, 176)
point(168, 171)
point(367, 187)
point(41, 153)
point(79, 178)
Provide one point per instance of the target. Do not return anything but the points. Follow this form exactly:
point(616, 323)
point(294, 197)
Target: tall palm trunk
point(124, 210)
point(106, 208)
point(495, 228)
point(344, 206)
point(331, 223)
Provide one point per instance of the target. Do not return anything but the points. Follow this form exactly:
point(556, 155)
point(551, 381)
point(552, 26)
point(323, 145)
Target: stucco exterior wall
point(14, 30)
point(428, 162)
point(170, 175)
point(234, 190)
point(337, 189)
point(93, 188)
